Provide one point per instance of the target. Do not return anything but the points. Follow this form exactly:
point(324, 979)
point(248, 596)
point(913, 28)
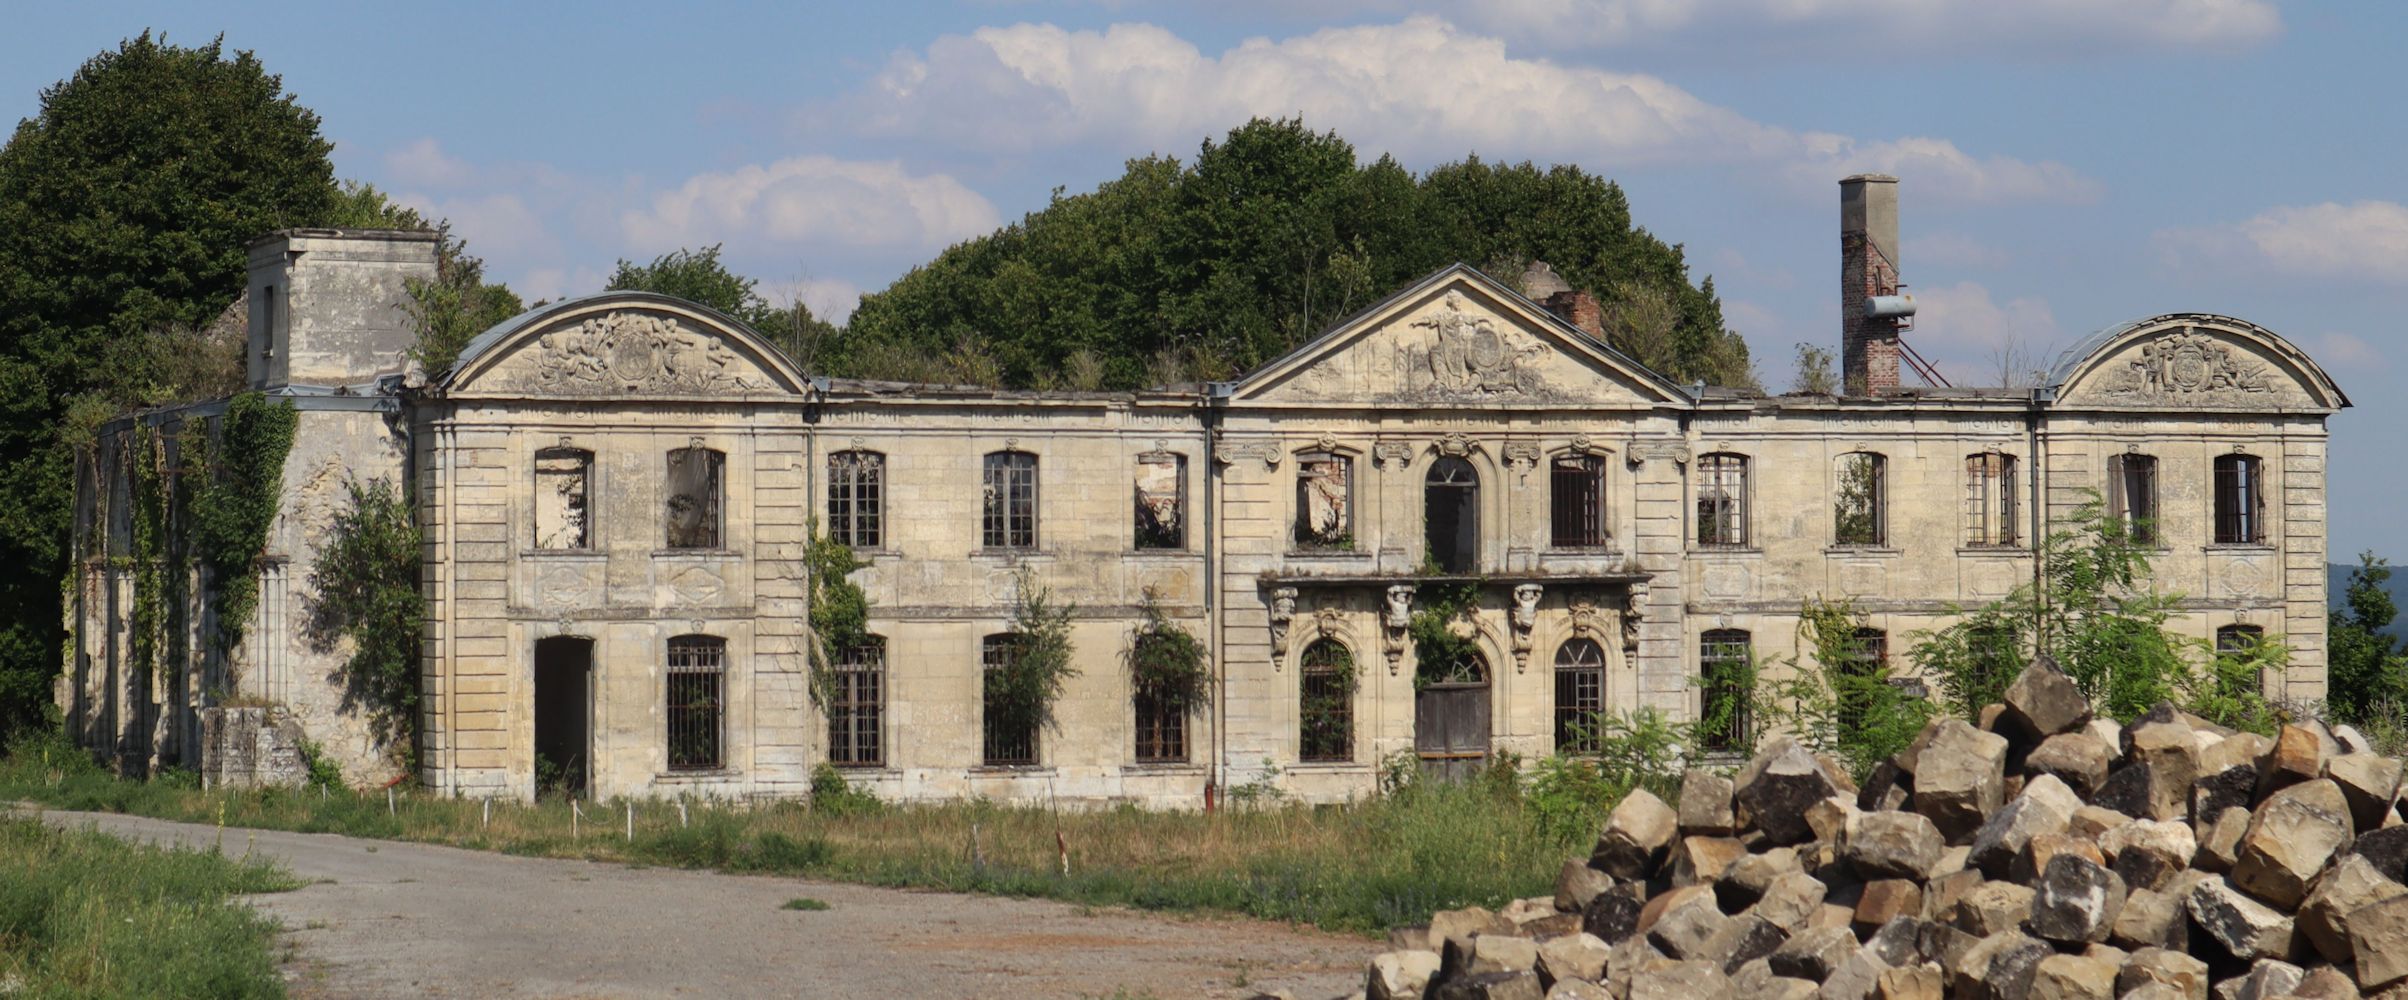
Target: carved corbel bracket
point(1525, 620)
point(1521, 457)
point(1584, 618)
point(1283, 611)
point(1633, 610)
point(1397, 618)
point(1396, 453)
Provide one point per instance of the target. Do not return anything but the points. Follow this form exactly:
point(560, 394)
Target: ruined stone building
point(616, 492)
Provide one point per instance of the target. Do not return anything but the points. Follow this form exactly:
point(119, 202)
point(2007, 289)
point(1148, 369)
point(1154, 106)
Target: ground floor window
point(697, 678)
point(1325, 721)
point(1726, 667)
point(857, 710)
point(1007, 741)
point(1579, 696)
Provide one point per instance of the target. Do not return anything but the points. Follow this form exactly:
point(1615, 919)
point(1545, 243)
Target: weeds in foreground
point(805, 903)
point(86, 914)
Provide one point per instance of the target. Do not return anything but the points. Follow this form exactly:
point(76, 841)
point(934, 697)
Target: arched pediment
point(622, 344)
point(2192, 361)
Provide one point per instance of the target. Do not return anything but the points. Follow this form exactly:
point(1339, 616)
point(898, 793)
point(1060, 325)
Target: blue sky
point(2066, 165)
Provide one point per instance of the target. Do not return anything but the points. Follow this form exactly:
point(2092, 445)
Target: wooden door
point(1450, 728)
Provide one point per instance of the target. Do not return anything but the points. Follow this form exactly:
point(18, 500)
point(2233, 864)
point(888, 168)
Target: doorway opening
point(564, 709)
point(1451, 720)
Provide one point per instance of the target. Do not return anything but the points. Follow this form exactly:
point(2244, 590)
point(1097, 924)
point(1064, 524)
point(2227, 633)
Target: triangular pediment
point(1457, 338)
point(622, 344)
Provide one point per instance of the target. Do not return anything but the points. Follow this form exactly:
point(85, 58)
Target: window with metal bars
point(1578, 502)
point(1722, 500)
point(857, 498)
point(1859, 508)
point(1161, 501)
point(1579, 696)
point(1990, 500)
point(1726, 664)
point(857, 710)
point(1325, 716)
point(1007, 741)
point(697, 682)
point(2240, 500)
point(1161, 721)
point(2238, 638)
point(1863, 662)
point(692, 519)
point(1010, 520)
point(2132, 495)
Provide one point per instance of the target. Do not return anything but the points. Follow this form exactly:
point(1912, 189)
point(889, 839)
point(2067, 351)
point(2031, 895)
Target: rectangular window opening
point(1324, 502)
point(1722, 501)
point(562, 478)
point(697, 678)
point(857, 499)
point(1009, 506)
point(2240, 501)
point(2132, 496)
point(1857, 513)
point(1008, 738)
point(1990, 501)
point(1726, 663)
point(1578, 502)
point(1161, 501)
point(857, 713)
point(693, 514)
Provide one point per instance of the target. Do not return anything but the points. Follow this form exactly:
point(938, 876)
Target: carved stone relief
point(1396, 619)
point(1525, 619)
point(1267, 452)
point(1283, 611)
point(1470, 353)
point(1388, 453)
point(2186, 363)
point(624, 352)
point(1521, 457)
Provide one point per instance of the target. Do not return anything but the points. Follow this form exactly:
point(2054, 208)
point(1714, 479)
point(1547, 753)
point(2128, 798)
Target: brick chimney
point(1868, 246)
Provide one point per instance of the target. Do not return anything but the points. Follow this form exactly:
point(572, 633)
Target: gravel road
point(388, 919)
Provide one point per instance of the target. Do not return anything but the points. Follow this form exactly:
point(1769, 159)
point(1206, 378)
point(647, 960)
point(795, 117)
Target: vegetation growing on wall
point(450, 310)
point(365, 590)
point(1440, 654)
point(236, 505)
point(1021, 694)
point(1837, 696)
point(840, 611)
point(1167, 661)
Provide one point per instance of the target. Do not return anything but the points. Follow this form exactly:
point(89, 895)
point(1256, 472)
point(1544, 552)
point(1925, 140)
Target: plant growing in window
point(1169, 676)
point(1027, 668)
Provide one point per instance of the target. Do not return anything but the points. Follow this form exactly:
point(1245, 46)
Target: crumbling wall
point(251, 748)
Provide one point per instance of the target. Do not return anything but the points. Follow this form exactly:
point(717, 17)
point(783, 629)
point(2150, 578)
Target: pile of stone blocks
point(2043, 854)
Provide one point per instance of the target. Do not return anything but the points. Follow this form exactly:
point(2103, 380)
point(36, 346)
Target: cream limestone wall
point(1455, 367)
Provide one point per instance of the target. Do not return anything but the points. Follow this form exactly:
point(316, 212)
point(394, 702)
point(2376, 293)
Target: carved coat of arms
point(634, 352)
point(2185, 363)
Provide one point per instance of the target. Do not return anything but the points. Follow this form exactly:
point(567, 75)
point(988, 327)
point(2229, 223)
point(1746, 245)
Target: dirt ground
point(386, 919)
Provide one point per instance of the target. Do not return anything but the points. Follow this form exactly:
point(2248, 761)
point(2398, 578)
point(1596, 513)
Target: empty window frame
point(2240, 500)
point(1859, 504)
point(1007, 736)
point(1451, 515)
point(857, 706)
point(1161, 501)
point(857, 499)
point(1864, 664)
point(1726, 668)
point(1325, 711)
point(1160, 716)
point(696, 709)
point(1010, 510)
point(1990, 500)
point(1579, 696)
point(1577, 502)
point(1324, 501)
point(2132, 495)
point(1722, 495)
point(562, 518)
point(692, 517)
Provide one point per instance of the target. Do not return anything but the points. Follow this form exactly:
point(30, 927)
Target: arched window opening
point(1451, 515)
point(1579, 696)
point(1325, 716)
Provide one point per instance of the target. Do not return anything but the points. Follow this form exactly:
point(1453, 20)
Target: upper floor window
point(2240, 500)
point(1722, 492)
point(1161, 500)
point(1010, 520)
point(1451, 515)
point(1726, 670)
point(1325, 713)
point(857, 710)
point(2132, 496)
point(1858, 515)
point(693, 515)
point(1577, 505)
point(562, 518)
point(1324, 501)
point(857, 499)
point(1579, 696)
point(1990, 500)
point(696, 709)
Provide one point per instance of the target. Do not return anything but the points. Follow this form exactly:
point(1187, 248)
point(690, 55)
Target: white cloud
point(2360, 242)
point(1896, 28)
point(1971, 336)
point(812, 200)
point(423, 163)
point(1421, 89)
point(495, 226)
point(830, 299)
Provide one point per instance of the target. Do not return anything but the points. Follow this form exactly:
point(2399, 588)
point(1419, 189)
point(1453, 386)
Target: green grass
point(805, 903)
point(1361, 867)
point(83, 914)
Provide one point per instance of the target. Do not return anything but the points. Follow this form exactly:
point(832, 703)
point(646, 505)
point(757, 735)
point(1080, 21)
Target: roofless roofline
point(2074, 360)
point(507, 331)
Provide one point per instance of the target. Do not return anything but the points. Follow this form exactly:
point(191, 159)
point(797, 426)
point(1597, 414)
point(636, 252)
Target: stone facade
point(617, 491)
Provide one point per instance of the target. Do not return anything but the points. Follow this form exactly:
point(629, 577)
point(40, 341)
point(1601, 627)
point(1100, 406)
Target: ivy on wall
point(236, 505)
point(840, 611)
point(149, 557)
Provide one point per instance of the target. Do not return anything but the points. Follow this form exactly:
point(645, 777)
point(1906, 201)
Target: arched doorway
point(1451, 717)
point(1451, 515)
point(563, 715)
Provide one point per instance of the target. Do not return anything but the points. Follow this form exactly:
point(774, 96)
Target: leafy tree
point(698, 276)
point(2366, 671)
point(1166, 661)
point(456, 305)
point(127, 204)
point(1021, 694)
point(1837, 696)
point(365, 590)
point(1176, 272)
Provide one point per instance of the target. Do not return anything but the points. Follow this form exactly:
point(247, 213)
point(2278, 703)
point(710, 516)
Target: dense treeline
point(1203, 270)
